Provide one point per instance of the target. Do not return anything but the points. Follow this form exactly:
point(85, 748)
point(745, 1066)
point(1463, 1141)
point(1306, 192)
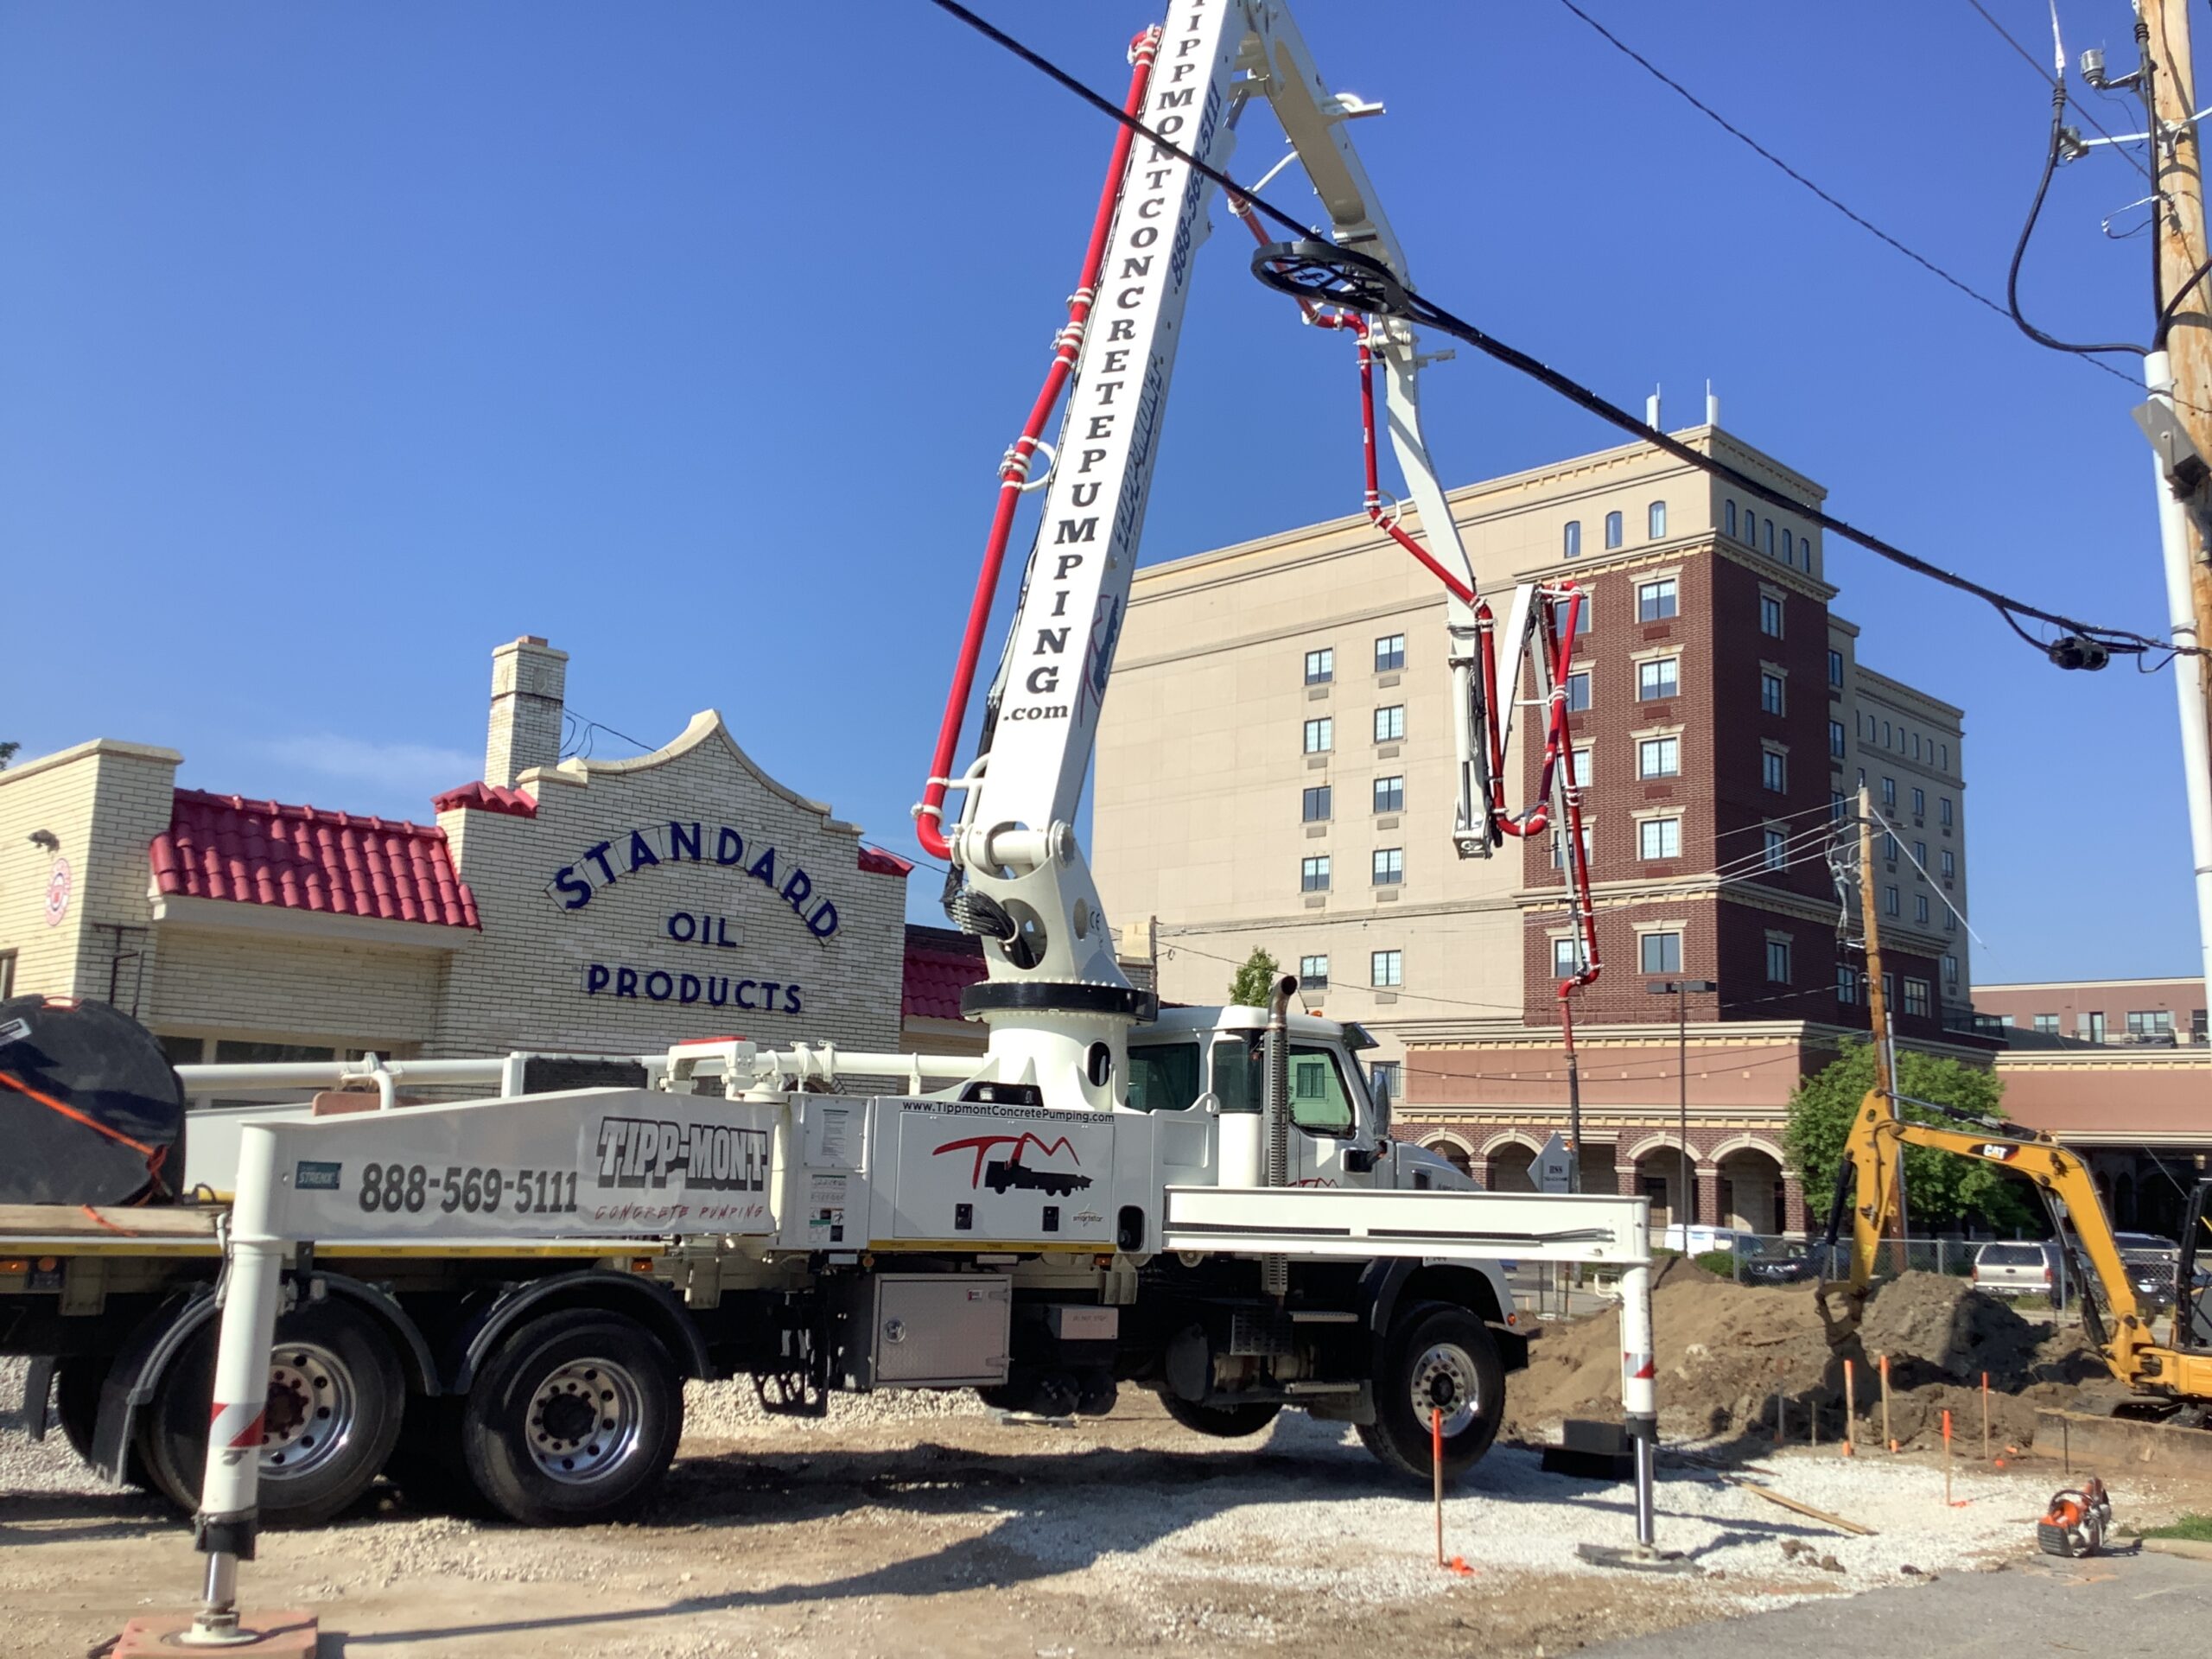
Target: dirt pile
point(1725, 1350)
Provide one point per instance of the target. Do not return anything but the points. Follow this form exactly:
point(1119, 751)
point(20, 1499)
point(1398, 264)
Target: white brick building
point(579, 904)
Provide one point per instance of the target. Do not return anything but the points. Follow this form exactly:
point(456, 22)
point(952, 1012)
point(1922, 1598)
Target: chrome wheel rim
point(1445, 1379)
point(312, 1410)
point(583, 1421)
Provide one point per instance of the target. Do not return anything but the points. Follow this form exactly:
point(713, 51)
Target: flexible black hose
point(2020, 248)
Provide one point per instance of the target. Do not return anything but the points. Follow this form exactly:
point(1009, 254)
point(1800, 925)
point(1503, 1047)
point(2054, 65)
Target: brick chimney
point(529, 686)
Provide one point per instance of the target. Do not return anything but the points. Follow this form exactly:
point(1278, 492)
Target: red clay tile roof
point(487, 798)
point(876, 861)
point(264, 853)
point(940, 964)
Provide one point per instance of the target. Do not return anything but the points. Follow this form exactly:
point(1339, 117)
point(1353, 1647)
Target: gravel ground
point(921, 1524)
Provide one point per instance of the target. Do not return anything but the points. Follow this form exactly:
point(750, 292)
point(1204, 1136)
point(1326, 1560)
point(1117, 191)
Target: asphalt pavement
point(2124, 1604)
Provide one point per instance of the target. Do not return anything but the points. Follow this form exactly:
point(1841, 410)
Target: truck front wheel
point(573, 1417)
point(1437, 1358)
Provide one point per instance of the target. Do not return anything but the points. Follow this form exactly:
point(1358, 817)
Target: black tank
point(91, 1111)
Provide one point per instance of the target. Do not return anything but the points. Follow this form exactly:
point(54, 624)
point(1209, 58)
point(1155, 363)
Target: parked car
point(1700, 1240)
point(2024, 1269)
point(2153, 1264)
point(1778, 1261)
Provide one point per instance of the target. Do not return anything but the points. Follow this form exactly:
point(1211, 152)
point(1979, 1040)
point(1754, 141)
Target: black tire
point(1235, 1422)
point(1439, 1350)
point(335, 1396)
point(77, 1380)
point(537, 1444)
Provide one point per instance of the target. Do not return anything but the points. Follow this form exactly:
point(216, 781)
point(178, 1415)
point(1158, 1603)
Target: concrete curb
point(2195, 1549)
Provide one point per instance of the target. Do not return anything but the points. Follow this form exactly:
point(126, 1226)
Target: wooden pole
point(1877, 1001)
point(2188, 343)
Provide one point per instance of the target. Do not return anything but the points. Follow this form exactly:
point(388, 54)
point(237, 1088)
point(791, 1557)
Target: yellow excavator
point(2170, 1377)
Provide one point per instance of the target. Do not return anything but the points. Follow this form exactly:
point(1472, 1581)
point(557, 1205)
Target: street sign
point(1554, 1169)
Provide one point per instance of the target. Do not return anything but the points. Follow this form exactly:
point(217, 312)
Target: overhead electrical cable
point(2079, 108)
point(1427, 312)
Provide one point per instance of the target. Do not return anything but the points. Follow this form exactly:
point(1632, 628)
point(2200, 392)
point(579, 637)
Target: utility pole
point(1877, 1001)
point(2179, 374)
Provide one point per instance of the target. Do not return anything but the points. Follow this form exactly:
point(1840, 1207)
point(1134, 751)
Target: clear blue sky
point(339, 343)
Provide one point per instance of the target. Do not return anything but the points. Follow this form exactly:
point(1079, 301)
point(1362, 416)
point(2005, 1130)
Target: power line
point(1433, 315)
point(2048, 79)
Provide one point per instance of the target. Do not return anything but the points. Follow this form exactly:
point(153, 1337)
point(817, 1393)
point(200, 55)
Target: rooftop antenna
point(1712, 405)
point(1651, 410)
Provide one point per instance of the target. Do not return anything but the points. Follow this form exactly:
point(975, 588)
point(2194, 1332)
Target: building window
point(1777, 961)
point(1390, 866)
point(1313, 874)
point(1889, 847)
point(1770, 691)
point(1389, 653)
point(1916, 746)
point(1920, 908)
point(1582, 614)
point(1655, 520)
point(1660, 677)
point(1659, 757)
point(1890, 991)
point(1728, 516)
point(1613, 535)
point(1835, 669)
point(2046, 1025)
point(1572, 543)
point(1770, 539)
point(1950, 865)
point(1390, 794)
point(1919, 802)
point(2153, 1022)
point(1789, 549)
point(1915, 997)
point(1770, 615)
point(2091, 1025)
point(1889, 793)
point(1773, 771)
point(1567, 957)
point(1390, 723)
point(1951, 972)
point(1777, 848)
point(1660, 953)
point(1836, 742)
point(1317, 805)
point(1578, 692)
point(1950, 919)
point(1314, 973)
point(1920, 857)
point(1320, 735)
point(1891, 905)
point(1846, 983)
point(1655, 600)
point(1659, 838)
point(1559, 845)
point(1886, 737)
point(1584, 767)
point(1943, 811)
point(1320, 667)
point(1839, 806)
point(1387, 1077)
point(1386, 969)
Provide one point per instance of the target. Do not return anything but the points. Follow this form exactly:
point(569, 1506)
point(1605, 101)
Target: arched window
point(1573, 539)
point(1612, 530)
point(1789, 549)
point(1770, 539)
point(1658, 520)
point(1730, 515)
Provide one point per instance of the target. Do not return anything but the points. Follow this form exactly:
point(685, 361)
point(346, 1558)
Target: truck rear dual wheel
point(573, 1416)
point(335, 1395)
point(1437, 1357)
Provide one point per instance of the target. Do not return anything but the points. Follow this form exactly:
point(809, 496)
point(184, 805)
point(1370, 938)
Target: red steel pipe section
point(1013, 472)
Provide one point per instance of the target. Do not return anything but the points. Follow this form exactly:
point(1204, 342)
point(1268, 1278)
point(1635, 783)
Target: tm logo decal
point(1009, 1171)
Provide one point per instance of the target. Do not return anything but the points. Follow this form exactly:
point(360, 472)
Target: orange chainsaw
point(2075, 1523)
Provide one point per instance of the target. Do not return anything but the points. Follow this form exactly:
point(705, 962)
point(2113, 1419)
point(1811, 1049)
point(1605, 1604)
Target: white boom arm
point(1056, 994)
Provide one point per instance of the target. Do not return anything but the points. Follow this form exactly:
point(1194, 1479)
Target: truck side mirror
point(1378, 1090)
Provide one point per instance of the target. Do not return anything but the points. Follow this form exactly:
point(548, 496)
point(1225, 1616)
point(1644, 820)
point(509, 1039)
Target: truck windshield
point(1319, 1101)
point(1163, 1076)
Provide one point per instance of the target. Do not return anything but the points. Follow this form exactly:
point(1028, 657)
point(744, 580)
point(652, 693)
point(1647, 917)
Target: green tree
point(1940, 1186)
point(8, 753)
point(1254, 980)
